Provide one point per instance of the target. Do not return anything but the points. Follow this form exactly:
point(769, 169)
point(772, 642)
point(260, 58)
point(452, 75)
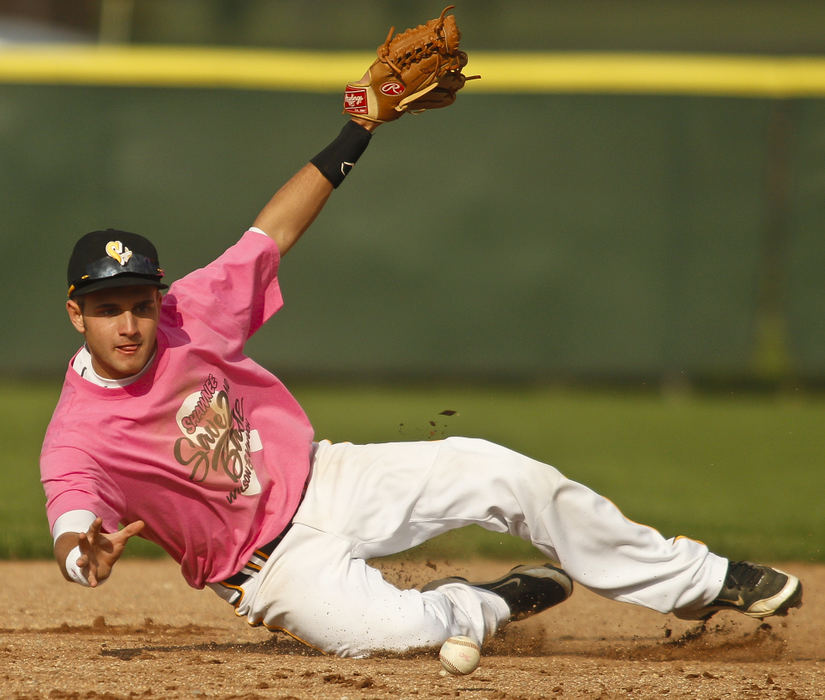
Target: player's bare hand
point(100, 550)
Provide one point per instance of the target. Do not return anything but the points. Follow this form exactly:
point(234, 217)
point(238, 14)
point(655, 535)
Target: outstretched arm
point(416, 70)
point(99, 551)
point(294, 207)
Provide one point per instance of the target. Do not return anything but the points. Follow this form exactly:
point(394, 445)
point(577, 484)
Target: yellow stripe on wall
point(502, 72)
point(181, 67)
point(690, 74)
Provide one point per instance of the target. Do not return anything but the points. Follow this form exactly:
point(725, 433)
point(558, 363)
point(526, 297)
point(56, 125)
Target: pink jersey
point(207, 447)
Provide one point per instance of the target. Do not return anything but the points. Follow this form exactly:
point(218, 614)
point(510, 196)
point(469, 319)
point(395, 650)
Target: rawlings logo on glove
point(416, 70)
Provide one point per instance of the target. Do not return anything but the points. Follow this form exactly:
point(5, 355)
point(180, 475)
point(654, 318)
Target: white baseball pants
point(366, 501)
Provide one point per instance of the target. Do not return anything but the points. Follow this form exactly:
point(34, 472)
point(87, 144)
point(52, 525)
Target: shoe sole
point(790, 596)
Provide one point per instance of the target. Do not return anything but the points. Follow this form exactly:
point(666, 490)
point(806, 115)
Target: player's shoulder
point(254, 244)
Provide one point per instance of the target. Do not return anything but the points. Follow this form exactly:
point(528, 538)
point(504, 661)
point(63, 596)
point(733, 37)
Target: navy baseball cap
point(112, 258)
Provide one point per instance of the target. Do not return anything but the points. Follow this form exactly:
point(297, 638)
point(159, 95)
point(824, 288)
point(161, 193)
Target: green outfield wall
point(626, 230)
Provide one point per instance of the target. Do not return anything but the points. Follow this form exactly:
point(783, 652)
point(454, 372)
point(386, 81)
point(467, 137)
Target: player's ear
point(75, 315)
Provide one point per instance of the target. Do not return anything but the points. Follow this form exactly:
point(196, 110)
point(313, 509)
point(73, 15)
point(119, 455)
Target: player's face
point(120, 326)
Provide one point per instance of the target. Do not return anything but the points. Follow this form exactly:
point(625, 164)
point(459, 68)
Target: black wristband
point(337, 159)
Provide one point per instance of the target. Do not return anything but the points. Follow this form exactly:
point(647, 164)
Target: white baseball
point(459, 655)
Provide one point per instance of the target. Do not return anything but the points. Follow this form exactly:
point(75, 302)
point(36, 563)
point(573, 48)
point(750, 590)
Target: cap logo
point(118, 251)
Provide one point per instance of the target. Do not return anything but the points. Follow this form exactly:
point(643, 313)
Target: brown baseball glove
point(416, 70)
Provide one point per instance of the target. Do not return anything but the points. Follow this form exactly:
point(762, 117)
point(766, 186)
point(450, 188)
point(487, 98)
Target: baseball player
point(165, 430)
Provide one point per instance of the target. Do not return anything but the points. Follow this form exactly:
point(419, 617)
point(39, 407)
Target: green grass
point(25, 410)
point(742, 472)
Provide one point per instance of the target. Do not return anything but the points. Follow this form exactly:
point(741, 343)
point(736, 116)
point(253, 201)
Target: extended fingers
point(94, 529)
point(133, 528)
point(127, 531)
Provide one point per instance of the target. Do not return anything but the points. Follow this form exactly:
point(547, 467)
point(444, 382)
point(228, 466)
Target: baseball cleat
point(527, 590)
point(754, 590)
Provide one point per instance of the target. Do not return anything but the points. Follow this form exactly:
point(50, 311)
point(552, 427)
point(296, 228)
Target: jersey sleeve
point(72, 480)
point(235, 294)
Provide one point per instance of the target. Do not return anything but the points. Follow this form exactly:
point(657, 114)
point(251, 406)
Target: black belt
point(262, 552)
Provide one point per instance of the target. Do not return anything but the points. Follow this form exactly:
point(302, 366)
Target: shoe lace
point(741, 574)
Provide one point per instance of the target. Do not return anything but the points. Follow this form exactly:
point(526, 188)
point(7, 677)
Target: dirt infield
point(146, 634)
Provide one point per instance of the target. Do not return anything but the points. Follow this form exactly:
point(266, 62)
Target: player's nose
point(128, 324)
